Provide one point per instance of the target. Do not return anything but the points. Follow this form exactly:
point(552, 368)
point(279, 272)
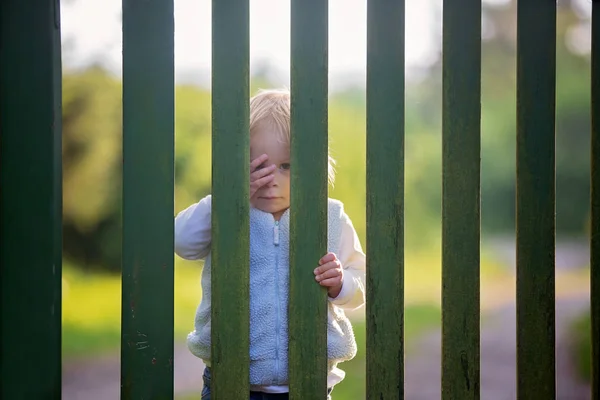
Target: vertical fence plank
point(30, 199)
point(535, 199)
point(461, 150)
point(595, 203)
point(307, 311)
point(385, 199)
point(230, 189)
point(148, 173)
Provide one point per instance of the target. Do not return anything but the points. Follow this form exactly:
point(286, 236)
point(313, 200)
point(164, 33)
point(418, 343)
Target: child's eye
point(285, 166)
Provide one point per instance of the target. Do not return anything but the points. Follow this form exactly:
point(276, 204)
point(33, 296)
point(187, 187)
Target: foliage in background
point(498, 122)
point(92, 135)
point(92, 147)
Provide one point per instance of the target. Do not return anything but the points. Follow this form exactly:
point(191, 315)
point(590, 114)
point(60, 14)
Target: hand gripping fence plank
point(30, 122)
point(307, 311)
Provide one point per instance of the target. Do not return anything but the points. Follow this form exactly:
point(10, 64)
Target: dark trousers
point(253, 395)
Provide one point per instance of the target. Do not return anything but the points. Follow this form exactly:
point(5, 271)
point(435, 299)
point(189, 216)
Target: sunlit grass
point(92, 308)
point(92, 302)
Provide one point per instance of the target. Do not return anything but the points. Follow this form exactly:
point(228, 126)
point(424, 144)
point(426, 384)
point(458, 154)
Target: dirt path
point(99, 379)
point(498, 357)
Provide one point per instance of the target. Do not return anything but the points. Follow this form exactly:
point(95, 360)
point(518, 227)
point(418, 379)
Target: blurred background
point(92, 135)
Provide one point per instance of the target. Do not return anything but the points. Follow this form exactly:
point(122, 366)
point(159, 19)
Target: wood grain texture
point(535, 199)
point(461, 170)
point(308, 214)
point(385, 200)
point(230, 316)
point(30, 199)
point(148, 178)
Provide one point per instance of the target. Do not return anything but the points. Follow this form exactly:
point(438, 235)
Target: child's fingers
point(327, 266)
point(330, 282)
point(257, 184)
point(257, 161)
point(327, 258)
point(260, 178)
point(261, 172)
point(330, 273)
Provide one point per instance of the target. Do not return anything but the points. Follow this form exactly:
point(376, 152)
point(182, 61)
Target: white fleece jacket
point(269, 275)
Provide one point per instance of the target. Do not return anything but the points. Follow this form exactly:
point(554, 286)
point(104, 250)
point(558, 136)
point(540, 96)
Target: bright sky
point(96, 28)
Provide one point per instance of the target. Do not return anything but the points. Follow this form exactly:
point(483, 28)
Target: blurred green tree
point(92, 134)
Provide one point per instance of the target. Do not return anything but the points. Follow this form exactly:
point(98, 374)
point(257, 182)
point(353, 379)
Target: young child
point(341, 270)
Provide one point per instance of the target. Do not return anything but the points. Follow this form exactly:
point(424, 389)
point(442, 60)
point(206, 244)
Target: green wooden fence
point(31, 198)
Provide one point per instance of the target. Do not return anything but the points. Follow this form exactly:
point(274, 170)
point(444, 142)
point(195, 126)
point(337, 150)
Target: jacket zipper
point(277, 322)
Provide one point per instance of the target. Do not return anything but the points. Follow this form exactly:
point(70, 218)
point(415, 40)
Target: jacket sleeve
point(192, 230)
point(353, 260)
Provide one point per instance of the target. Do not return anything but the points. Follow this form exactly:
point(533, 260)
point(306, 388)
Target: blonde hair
point(271, 108)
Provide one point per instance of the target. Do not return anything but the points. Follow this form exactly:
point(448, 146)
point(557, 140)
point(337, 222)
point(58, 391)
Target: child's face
point(274, 197)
